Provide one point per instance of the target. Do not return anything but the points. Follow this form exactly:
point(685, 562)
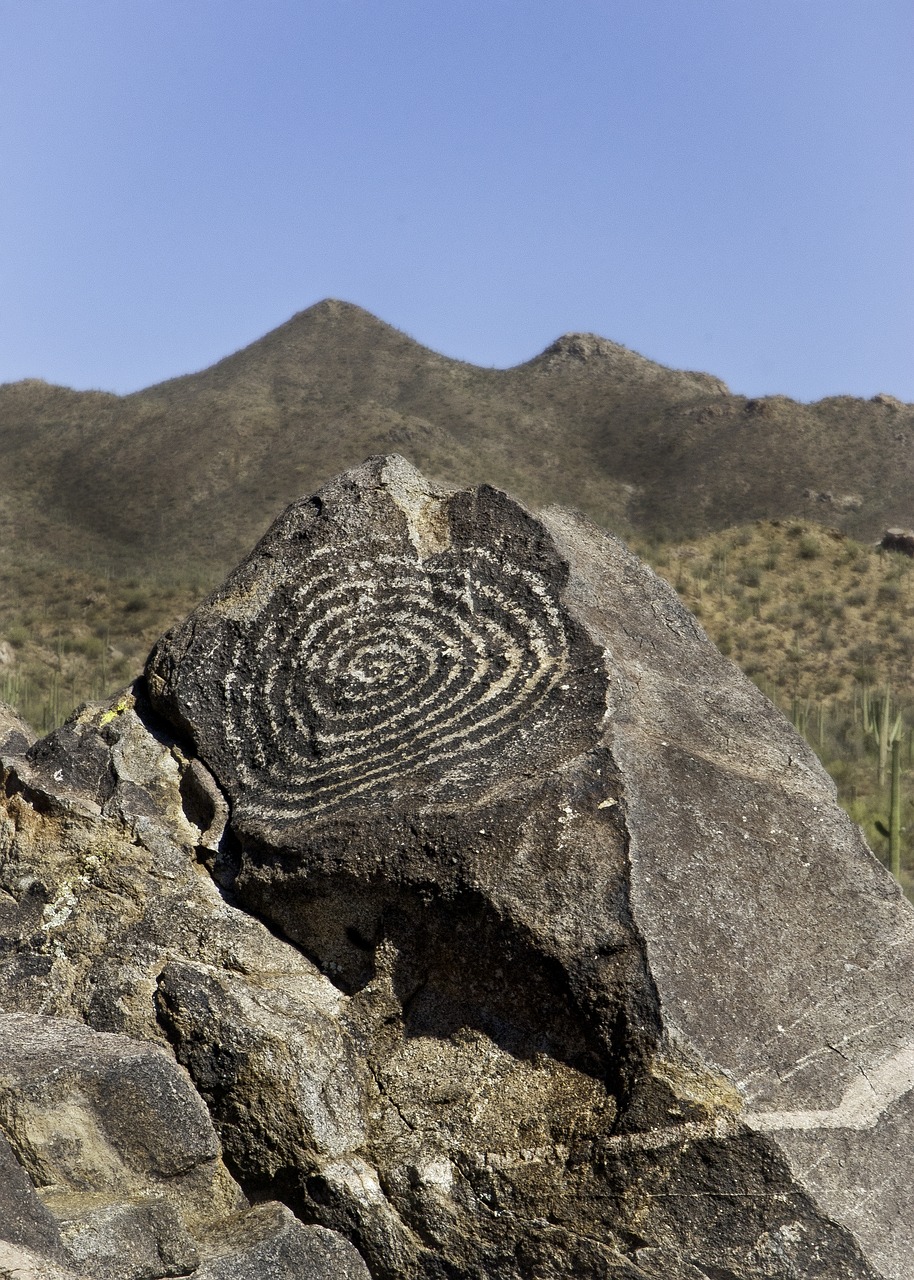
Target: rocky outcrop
point(120, 1171)
point(898, 540)
point(115, 1136)
point(15, 734)
point(453, 893)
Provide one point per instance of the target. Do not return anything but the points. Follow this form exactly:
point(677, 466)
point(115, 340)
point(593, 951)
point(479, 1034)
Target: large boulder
point(119, 1144)
point(631, 989)
point(112, 1170)
point(501, 925)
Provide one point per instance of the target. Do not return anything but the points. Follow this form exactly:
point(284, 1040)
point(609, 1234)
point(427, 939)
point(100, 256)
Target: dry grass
point(69, 636)
point(805, 611)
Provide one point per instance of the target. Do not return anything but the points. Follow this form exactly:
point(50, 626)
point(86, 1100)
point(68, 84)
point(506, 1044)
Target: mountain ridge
point(213, 455)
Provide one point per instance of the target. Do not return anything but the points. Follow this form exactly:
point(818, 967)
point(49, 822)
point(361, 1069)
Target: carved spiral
point(385, 674)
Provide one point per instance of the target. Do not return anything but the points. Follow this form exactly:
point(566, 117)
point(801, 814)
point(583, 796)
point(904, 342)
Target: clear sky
point(725, 185)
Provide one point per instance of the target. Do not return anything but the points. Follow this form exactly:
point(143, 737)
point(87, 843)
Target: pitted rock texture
point(501, 927)
point(15, 735)
point(110, 1168)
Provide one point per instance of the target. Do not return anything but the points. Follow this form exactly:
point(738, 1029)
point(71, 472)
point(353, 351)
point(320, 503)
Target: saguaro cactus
point(895, 811)
point(880, 723)
point(893, 832)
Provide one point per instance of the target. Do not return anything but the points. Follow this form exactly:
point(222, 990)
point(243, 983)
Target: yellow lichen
point(124, 703)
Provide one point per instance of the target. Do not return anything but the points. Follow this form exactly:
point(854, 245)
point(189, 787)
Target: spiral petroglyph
point(390, 672)
point(380, 667)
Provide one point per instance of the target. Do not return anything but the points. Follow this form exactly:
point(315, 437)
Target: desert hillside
point(188, 473)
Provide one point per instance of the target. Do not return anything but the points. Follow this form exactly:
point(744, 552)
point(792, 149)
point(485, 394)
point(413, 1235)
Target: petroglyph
point(382, 665)
point(386, 671)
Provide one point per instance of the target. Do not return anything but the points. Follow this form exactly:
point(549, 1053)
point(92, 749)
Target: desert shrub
point(136, 602)
point(866, 651)
point(88, 646)
point(808, 547)
point(865, 673)
point(18, 636)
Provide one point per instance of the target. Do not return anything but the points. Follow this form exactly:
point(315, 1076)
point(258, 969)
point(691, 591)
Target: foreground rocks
point(442, 885)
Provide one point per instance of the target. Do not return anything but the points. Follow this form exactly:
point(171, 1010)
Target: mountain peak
point(585, 348)
point(596, 355)
point(333, 309)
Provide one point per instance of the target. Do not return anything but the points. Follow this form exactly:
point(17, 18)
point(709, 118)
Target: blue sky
point(720, 184)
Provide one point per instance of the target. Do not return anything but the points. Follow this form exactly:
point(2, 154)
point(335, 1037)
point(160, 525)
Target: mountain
point(184, 475)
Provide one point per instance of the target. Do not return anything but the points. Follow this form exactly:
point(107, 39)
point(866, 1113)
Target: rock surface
point(451, 890)
point(100, 888)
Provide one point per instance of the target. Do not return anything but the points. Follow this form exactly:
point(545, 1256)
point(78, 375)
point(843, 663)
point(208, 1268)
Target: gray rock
point(606, 948)
point(127, 1241)
point(501, 926)
point(100, 889)
point(19, 1263)
point(24, 1220)
point(101, 881)
point(780, 947)
point(271, 1242)
point(117, 1143)
point(15, 735)
point(111, 1170)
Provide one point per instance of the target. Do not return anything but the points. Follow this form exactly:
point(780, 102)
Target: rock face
point(110, 1168)
point(443, 885)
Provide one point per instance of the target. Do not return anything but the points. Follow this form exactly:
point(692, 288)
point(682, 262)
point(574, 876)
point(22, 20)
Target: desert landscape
point(118, 514)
